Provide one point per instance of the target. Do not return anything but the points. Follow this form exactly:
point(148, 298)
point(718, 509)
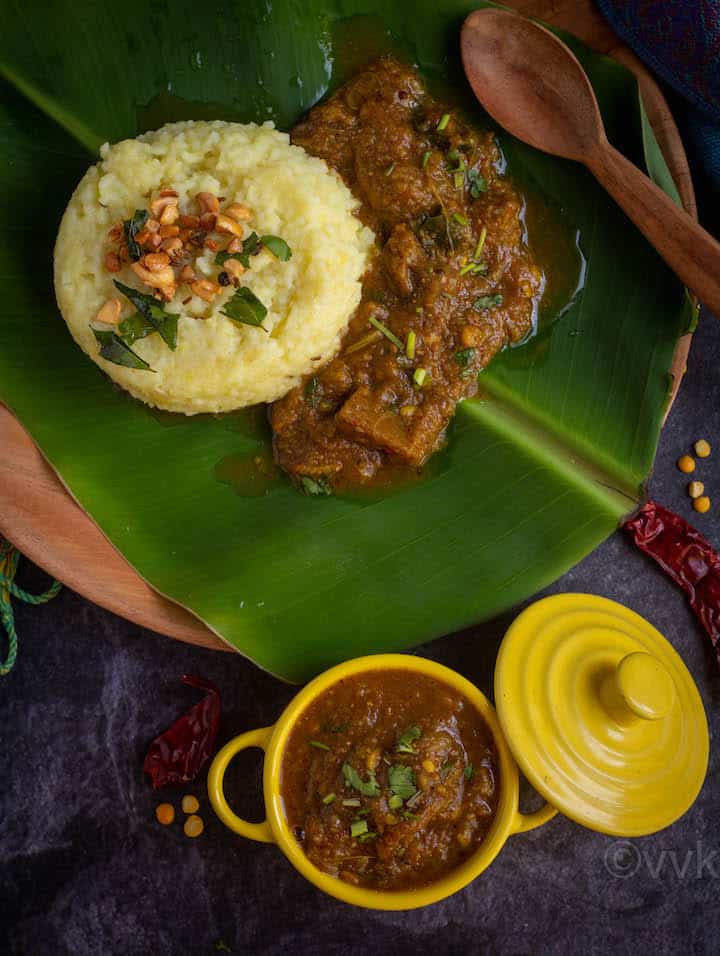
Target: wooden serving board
point(38, 515)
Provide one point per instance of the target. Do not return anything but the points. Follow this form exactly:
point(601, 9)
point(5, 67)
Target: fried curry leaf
point(315, 486)
point(369, 788)
point(251, 247)
point(131, 228)
point(279, 248)
point(245, 307)
point(478, 183)
point(401, 781)
point(153, 312)
point(113, 349)
point(404, 745)
point(137, 327)
point(487, 302)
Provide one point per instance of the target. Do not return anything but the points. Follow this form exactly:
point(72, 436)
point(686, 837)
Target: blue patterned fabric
point(680, 41)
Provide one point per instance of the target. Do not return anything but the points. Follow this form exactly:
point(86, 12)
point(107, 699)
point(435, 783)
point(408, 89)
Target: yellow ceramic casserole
point(274, 829)
point(604, 718)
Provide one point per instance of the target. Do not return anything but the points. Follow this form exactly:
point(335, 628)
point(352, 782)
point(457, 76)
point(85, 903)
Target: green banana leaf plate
point(537, 471)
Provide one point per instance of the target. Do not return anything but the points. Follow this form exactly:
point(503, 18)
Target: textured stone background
point(85, 869)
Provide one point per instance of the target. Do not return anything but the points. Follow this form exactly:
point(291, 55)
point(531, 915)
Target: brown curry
point(452, 284)
point(389, 780)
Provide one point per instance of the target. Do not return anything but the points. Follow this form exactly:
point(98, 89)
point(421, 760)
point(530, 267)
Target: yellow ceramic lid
point(601, 714)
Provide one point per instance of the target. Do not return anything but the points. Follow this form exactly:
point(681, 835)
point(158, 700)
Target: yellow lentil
point(695, 489)
point(165, 813)
point(686, 464)
point(190, 803)
point(194, 826)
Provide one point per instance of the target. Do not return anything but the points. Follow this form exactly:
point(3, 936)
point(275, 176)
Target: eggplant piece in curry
point(452, 284)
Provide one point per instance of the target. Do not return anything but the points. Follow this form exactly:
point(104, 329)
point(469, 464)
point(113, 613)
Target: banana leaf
point(536, 473)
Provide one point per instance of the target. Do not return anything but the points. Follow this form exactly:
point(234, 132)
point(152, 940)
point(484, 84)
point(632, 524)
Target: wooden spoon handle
point(690, 251)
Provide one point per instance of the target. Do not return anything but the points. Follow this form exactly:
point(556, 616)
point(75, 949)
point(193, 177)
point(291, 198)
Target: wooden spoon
point(534, 87)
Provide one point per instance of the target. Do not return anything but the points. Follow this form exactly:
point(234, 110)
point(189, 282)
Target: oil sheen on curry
point(452, 284)
point(389, 780)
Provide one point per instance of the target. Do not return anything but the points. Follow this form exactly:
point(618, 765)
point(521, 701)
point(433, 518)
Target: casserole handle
point(528, 821)
point(216, 775)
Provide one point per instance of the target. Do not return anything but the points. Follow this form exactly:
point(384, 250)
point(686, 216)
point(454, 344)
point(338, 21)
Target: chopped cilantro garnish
point(131, 228)
point(364, 837)
point(487, 302)
point(395, 802)
point(410, 344)
point(407, 815)
point(401, 781)
point(358, 827)
point(469, 772)
point(354, 802)
point(363, 341)
point(443, 121)
point(426, 157)
point(419, 376)
point(245, 307)
point(319, 744)
point(369, 788)
point(329, 728)
point(404, 745)
point(390, 170)
point(464, 357)
point(386, 332)
point(314, 486)
point(328, 798)
point(445, 768)
point(478, 183)
point(312, 392)
point(459, 218)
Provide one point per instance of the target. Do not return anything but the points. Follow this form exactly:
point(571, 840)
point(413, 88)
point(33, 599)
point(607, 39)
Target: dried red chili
point(687, 557)
point(178, 755)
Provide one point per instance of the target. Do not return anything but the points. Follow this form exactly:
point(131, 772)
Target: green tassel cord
point(9, 557)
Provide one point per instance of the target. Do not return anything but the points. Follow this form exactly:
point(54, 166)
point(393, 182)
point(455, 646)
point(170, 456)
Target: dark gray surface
point(84, 867)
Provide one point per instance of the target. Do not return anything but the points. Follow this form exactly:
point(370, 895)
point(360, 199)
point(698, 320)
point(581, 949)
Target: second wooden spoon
point(533, 86)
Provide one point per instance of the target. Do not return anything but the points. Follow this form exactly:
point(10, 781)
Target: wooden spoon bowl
point(534, 87)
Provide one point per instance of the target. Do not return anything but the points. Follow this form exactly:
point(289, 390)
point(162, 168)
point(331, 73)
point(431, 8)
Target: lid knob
point(640, 688)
